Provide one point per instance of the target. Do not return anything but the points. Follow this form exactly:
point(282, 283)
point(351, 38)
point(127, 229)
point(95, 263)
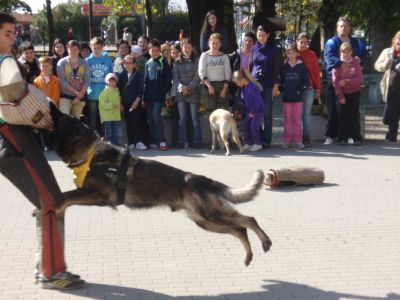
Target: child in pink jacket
point(347, 82)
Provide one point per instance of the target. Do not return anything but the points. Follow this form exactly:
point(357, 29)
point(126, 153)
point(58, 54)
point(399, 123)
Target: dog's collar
point(80, 171)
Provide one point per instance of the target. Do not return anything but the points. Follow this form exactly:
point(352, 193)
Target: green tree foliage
point(166, 28)
point(379, 19)
point(65, 15)
point(12, 5)
point(301, 15)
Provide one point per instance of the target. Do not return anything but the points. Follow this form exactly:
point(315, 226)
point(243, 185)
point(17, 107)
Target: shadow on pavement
point(274, 289)
point(300, 188)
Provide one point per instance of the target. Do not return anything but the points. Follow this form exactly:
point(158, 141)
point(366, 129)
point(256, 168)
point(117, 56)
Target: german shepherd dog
point(149, 184)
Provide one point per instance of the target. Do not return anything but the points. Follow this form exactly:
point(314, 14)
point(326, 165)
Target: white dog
point(223, 123)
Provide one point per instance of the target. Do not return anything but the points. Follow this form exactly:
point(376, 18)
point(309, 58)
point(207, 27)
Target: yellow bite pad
point(81, 171)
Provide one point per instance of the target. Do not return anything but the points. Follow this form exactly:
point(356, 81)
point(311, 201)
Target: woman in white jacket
point(215, 73)
point(389, 62)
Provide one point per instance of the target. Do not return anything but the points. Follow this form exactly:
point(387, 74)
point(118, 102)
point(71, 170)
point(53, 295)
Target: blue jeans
point(112, 132)
point(308, 99)
point(266, 136)
point(332, 125)
point(194, 108)
point(93, 113)
point(155, 121)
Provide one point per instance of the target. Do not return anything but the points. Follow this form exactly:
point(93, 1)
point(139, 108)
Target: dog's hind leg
point(251, 223)
point(235, 136)
point(236, 231)
point(224, 130)
point(214, 139)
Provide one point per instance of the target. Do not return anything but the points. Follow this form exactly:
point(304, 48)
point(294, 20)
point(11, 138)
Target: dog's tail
point(248, 192)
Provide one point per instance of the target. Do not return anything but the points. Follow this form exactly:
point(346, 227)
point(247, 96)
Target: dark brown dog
point(149, 183)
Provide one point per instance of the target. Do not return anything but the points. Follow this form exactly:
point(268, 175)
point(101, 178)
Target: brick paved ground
point(340, 240)
point(336, 241)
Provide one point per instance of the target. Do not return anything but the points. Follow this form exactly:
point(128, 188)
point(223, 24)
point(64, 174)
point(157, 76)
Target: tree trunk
point(328, 16)
point(50, 22)
point(197, 11)
point(380, 38)
point(264, 9)
point(149, 18)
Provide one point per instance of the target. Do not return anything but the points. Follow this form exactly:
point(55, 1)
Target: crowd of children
point(124, 100)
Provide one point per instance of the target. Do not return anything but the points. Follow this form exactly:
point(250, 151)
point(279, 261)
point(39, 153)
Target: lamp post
point(90, 19)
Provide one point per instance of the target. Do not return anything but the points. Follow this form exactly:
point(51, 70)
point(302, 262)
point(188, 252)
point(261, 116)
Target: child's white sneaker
point(141, 146)
point(246, 147)
point(255, 148)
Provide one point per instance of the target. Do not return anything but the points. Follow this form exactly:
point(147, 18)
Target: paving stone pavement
point(340, 240)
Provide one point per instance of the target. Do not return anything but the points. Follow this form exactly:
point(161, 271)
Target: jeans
point(194, 108)
point(155, 121)
point(332, 125)
point(391, 115)
point(266, 136)
point(308, 99)
point(134, 129)
point(112, 132)
point(93, 114)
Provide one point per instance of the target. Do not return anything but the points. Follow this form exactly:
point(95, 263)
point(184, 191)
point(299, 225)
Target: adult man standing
point(23, 163)
point(127, 36)
point(332, 60)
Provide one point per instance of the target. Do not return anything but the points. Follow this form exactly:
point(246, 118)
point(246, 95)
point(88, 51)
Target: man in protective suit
point(23, 163)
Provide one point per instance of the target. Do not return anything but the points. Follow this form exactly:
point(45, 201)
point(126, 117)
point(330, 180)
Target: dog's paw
point(248, 258)
point(266, 245)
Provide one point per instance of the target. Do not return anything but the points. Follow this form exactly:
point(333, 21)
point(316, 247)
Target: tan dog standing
point(223, 123)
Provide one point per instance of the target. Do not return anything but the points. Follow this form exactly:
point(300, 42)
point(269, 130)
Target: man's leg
point(23, 163)
point(332, 125)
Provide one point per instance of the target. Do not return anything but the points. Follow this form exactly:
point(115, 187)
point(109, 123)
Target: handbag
point(21, 103)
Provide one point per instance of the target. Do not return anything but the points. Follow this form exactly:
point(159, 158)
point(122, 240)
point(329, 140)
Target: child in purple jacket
point(253, 109)
point(347, 83)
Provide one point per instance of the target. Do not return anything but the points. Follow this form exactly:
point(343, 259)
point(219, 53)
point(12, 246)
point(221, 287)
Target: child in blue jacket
point(157, 82)
point(294, 82)
point(253, 109)
point(100, 65)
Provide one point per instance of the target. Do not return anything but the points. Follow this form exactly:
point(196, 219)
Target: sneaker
point(350, 141)
point(300, 146)
point(255, 148)
point(131, 147)
point(141, 146)
point(70, 275)
point(61, 281)
point(285, 146)
point(246, 147)
point(163, 147)
point(306, 140)
point(328, 141)
point(153, 147)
